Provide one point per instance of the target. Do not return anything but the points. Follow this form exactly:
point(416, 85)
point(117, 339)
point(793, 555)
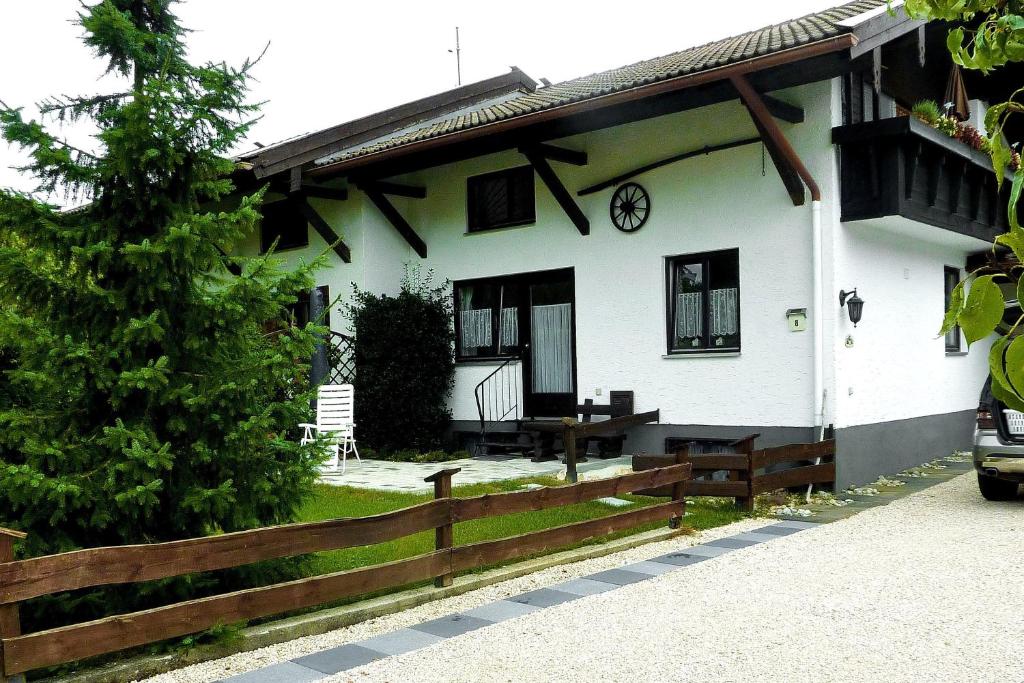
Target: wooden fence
point(746, 475)
point(31, 578)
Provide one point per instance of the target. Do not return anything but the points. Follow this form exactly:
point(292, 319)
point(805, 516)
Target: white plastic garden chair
point(334, 412)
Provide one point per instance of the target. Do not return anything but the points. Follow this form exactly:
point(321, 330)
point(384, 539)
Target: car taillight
point(985, 420)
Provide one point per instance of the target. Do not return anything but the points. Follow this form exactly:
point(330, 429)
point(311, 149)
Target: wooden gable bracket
point(790, 113)
point(376, 191)
point(322, 227)
point(293, 185)
point(791, 169)
point(538, 156)
point(299, 194)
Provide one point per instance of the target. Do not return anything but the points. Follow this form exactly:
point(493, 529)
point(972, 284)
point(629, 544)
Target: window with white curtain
point(704, 302)
point(487, 319)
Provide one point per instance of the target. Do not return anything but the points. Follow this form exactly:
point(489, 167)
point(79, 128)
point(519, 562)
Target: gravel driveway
point(905, 592)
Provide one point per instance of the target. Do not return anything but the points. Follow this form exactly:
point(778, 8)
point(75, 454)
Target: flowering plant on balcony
point(928, 111)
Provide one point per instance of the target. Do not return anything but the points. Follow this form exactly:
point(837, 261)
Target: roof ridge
point(812, 27)
point(873, 4)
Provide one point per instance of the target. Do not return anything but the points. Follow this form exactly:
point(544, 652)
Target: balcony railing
point(903, 167)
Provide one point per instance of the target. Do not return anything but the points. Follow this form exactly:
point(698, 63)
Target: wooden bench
point(608, 445)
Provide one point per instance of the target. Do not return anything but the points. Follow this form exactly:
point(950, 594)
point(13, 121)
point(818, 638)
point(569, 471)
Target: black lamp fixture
point(855, 307)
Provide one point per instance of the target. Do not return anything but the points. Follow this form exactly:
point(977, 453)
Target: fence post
point(679, 488)
point(10, 622)
point(746, 447)
point(443, 534)
point(569, 442)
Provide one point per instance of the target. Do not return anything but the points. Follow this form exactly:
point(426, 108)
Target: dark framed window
point(501, 200)
point(703, 303)
point(284, 222)
point(300, 311)
point(951, 277)
point(487, 318)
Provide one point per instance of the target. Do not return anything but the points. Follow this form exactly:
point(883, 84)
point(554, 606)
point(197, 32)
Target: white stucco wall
point(897, 366)
point(707, 203)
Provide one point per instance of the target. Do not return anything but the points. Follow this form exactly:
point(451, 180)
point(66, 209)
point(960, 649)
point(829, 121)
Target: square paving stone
point(400, 641)
point(543, 597)
point(680, 559)
point(755, 536)
point(585, 587)
point(452, 625)
point(619, 577)
point(796, 524)
point(501, 610)
point(285, 672)
point(708, 550)
point(648, 567)
point(731, 542)
point(339, 658)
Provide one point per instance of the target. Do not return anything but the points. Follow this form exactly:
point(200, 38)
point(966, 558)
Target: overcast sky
point(331, 61)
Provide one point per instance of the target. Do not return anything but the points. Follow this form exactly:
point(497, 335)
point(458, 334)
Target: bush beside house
point(404, 366)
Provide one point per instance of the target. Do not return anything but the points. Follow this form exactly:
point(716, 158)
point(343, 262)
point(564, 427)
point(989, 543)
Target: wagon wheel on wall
point(630, 207)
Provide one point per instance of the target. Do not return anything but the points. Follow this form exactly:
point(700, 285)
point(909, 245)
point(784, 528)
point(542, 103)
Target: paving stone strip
point(322, 664)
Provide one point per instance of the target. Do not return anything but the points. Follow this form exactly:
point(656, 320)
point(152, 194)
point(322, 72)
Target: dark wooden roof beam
point(557, 188)
point(384, 205)
point(880, 30)
point(703, 151)
point(566, 156)
point(288, 186)
point(322, 227)
point(397, 189)
point(790, 113)
point(783, 155)
point(321, 192)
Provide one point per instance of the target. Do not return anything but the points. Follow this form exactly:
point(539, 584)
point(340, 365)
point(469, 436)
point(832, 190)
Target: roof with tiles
point(788, 34)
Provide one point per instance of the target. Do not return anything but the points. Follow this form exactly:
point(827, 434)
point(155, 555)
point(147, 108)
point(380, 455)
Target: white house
point(681, 228)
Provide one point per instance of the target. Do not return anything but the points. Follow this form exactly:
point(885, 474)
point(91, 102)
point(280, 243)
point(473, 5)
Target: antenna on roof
point(458, 56)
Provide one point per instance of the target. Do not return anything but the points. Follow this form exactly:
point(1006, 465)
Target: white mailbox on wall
point(797, 318)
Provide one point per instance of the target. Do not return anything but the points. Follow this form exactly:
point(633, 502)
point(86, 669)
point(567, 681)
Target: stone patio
point(384, 475)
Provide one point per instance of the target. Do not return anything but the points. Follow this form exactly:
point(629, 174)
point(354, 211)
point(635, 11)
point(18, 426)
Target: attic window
point(284, 222)
point(501, 200)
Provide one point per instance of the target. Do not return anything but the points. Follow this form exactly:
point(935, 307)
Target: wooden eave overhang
point(605, 111)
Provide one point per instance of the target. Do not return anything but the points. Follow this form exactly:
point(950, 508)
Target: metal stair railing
point(497, 396)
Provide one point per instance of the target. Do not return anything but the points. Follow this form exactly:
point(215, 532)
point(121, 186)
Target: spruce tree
point(146, 391)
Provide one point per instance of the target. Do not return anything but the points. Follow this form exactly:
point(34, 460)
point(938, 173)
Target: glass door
point(550, 362)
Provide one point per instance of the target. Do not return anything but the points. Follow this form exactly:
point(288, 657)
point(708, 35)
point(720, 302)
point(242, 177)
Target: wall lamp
point(854, 304)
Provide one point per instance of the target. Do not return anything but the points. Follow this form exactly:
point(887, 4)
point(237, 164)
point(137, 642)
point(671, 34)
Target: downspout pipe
point(759, 111)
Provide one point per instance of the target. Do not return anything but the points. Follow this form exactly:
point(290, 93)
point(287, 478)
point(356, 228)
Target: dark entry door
point(549, 362)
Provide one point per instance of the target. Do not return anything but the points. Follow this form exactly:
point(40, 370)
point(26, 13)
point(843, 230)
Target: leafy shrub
point(412, 455)
point(405, 366)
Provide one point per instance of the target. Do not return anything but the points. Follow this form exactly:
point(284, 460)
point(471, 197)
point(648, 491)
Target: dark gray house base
point(864, 451)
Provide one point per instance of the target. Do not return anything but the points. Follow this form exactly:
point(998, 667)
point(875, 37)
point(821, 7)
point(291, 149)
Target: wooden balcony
point(903, 167)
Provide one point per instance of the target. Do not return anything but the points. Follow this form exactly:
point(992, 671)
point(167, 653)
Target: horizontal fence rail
point(24, 579)
point(134, 563)
point(746, 477)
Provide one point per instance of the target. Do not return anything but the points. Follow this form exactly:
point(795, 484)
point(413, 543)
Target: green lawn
point(330, 502)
